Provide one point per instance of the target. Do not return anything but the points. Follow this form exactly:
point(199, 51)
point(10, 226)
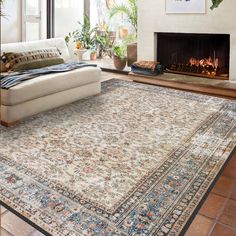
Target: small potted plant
point(84, 37)
point(93, 55)
point(119, 56)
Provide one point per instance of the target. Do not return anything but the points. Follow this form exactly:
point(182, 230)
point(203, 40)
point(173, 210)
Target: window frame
point(31, 19)
point(50, 17)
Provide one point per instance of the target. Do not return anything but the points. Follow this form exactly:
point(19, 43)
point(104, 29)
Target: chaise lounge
point(47, 91)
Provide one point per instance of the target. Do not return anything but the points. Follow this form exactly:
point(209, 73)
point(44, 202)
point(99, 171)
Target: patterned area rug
point(134, 160)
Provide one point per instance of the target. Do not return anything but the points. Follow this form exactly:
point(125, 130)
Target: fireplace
point(204, 55)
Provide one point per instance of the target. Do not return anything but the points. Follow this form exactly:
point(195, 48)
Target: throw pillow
point(31, 59)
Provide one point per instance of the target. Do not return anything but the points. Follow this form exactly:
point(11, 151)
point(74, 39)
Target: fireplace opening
point(204, 55)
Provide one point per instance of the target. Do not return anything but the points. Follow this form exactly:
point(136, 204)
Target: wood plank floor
point(217, 217)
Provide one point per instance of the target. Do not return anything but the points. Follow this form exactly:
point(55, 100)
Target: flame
point(204, 62)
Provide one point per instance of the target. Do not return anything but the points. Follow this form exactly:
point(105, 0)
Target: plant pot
point(79, 53)
point(110, 3)
point(119, 63)
point(123, 32)
point(93, 56)
point(112, 36)
point(131, 53)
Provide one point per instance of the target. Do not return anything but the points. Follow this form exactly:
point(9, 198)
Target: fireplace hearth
point(204, 55)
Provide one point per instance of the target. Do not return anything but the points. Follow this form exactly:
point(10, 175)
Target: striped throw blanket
point(9, 80)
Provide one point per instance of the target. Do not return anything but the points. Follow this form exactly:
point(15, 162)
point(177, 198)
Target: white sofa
point(47, 91)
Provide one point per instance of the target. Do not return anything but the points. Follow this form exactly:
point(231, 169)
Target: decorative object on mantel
point(215, 3)
point(185, 6)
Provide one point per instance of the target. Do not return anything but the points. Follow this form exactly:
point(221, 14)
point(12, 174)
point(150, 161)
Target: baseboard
point(9, 124)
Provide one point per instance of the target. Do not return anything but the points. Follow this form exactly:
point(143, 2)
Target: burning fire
point(204, 62)
point(209, 66)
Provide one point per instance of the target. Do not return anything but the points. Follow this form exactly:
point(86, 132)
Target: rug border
point(183, 231)
point(197, 209)
point(25, 219)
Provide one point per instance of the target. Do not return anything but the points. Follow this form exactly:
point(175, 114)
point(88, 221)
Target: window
point(64, 15)
point(99, 15)
point(34, 20)
point(67, 15)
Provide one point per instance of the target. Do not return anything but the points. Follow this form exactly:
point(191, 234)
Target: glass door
point(32, 19)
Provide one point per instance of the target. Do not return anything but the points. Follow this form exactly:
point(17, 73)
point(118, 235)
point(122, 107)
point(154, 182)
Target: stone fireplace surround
point(152, 18)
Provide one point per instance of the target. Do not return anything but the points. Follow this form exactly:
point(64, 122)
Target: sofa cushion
point(49, 84)
point(32, 59)
point(37, 45)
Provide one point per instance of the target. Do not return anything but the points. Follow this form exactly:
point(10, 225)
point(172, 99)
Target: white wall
point(11, 25)
point(152, 18)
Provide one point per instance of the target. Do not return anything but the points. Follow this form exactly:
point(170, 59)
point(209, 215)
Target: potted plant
point(105, 41)
point(119, 56)
point(130, 10)
point(84, 37)
point(93, 55)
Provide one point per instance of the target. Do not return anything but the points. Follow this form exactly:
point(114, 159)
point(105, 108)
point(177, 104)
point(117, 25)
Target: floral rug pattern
point(134, 160)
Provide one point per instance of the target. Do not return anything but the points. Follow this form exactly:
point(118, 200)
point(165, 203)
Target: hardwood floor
point(217, 216)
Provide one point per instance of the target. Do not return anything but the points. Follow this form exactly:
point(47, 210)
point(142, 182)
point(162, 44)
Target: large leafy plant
point(105, 42)
point(130, 9)
point(85, 34)
point(120, 51)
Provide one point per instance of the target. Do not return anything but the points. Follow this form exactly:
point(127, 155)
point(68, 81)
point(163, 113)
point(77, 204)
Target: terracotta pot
point(132, 53)
point(123, 32)
point(93, 56)
point(119, 63)
point(110, 3)
point(112, 36)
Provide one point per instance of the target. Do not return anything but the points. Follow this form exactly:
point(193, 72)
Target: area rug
point(134, 160)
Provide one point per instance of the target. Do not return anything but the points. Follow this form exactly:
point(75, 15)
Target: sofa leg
point(9, 124)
